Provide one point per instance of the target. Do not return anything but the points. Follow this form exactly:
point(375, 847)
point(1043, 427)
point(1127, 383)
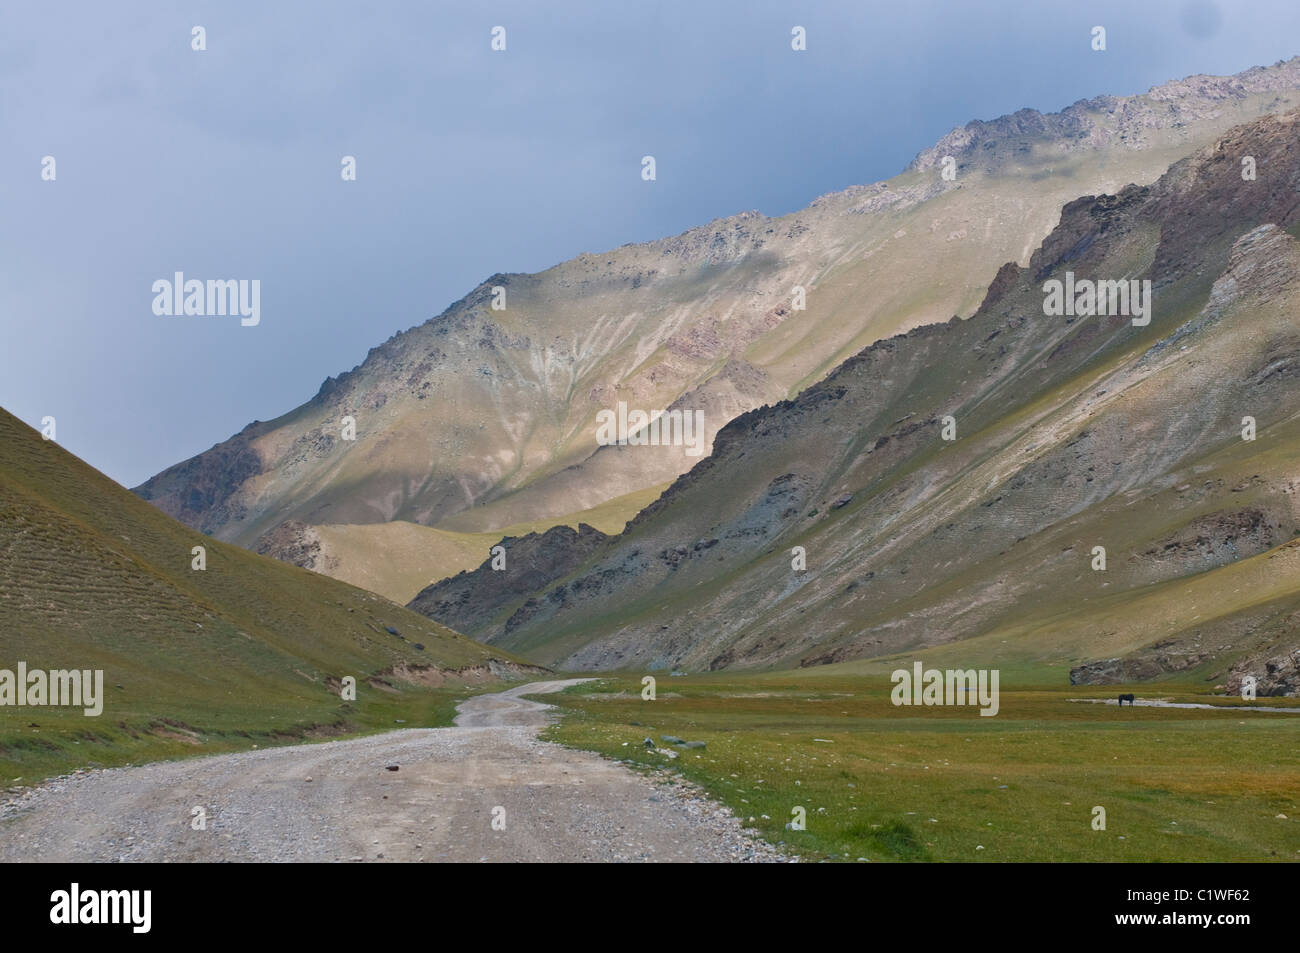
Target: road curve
point(338, 801)
point(508, 708)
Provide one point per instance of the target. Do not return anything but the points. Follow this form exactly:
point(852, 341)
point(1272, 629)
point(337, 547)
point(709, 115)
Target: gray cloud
point(225, 163)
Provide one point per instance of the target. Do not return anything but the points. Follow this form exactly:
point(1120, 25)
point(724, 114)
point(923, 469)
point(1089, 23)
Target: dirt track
point(559, 805)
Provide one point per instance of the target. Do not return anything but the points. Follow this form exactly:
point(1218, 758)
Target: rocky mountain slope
point(1070, 433)
point(481, 420)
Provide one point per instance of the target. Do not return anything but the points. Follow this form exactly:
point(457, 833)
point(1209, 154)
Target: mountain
point(1071, 433)
point(483, 421)
point(92, 577)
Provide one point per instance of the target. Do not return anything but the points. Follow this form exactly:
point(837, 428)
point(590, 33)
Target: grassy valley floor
point(890, 783)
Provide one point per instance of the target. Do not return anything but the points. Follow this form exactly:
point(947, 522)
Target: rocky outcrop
point(470, 601)
point(1274, 675)
point(1120, 671)
point(293, 541)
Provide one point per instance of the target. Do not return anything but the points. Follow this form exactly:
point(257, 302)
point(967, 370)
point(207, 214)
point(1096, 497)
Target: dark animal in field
point(1125, 698)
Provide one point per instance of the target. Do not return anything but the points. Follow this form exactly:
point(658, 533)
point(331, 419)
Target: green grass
point(247, 651)
point(946, 784)
point(39, 743)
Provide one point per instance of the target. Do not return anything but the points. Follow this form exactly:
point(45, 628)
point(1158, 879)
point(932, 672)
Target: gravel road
point(338, 801)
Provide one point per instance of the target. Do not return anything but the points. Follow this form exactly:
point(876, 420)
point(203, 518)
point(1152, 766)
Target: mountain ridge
point(1215, 245)
point(479, 419)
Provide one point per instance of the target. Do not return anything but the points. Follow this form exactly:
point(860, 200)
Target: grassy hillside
point(248, 651)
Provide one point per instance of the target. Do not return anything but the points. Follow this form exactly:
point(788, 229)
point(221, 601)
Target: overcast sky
point(225, 163)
